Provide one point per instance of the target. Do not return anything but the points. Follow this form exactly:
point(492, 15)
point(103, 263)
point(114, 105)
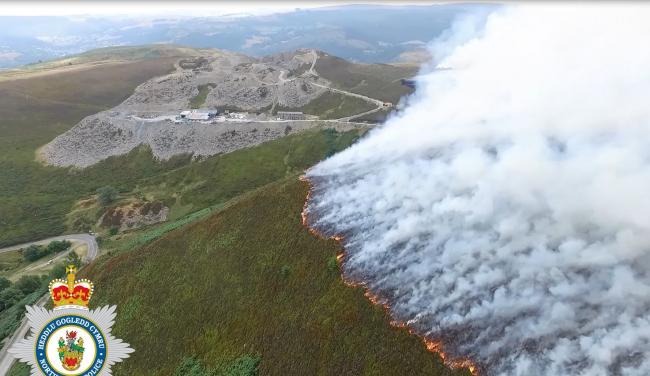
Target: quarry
point(213, 103)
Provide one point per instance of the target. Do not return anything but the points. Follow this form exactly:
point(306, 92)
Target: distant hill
point(366, 33)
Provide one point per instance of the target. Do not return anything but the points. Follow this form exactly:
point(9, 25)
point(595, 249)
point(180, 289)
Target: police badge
point(71, 339)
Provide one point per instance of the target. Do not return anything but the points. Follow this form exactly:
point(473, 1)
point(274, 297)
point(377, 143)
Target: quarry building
point(198, 115)
point(291, 115)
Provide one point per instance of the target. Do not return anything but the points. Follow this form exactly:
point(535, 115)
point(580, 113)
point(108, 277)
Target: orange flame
point(431, 345)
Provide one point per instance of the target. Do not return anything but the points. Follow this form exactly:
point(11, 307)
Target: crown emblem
point(71, 293)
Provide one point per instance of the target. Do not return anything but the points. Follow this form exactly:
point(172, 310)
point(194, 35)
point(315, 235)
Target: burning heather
point(505, 213)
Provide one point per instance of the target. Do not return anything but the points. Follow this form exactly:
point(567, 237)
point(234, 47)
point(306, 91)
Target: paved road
point(82, 238)
point(367, 99)
point(348, 118)
point(6, 360)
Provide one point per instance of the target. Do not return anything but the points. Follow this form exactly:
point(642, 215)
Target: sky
point(166, 8)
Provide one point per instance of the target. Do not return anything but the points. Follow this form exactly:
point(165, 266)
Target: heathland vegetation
point(232, 283)
point(381, 81)
point(332, 106)
point(34, 199)
point(250, 280)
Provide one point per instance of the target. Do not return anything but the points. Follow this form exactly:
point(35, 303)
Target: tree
point(57, 246)
point(9, 297)
point(4, 283)
point(58, 271)
point(73, 259)
point(106, 195)
point(32, 253)
point(27, 284)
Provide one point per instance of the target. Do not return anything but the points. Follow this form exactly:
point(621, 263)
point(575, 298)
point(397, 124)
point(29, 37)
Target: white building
point(198, 115)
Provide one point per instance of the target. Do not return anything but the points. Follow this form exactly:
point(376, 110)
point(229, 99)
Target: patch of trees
point(13, 293)
point(35, 252)
point(106, 195)
point(246, 365)
point(25, 291)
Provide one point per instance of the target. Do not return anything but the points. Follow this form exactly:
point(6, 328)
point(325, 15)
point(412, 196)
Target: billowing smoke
point(506, 211)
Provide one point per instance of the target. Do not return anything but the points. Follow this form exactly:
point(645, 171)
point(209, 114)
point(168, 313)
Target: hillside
point(241, 97)
point(381, 81)
point(230, 256)
point(34, 110)
point(39, 103)
point(89, 60)
point(251, 280)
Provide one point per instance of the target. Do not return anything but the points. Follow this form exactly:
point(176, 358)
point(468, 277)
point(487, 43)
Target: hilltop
point(246, 92)
point(45, 102)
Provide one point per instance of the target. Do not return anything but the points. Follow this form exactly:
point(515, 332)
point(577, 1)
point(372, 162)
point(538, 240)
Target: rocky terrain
point(233, 82)
point(238, 81)
point(134, 215)
point(97, 138)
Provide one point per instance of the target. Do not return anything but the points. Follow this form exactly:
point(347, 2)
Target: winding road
point(282, 78)
point(6, 360)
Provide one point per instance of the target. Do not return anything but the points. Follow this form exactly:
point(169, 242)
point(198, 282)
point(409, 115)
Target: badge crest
point(71, 340)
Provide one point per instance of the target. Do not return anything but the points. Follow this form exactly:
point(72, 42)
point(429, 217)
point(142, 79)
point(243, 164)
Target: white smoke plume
point(506, 211)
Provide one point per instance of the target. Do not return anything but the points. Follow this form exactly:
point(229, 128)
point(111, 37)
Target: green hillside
point(381, 81)
point(33, 198)
point(251, 281)
point(232, 283)
point(116, 54)
point(332, 106)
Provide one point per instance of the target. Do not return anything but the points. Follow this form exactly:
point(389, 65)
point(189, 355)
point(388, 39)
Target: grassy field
point(332, 106)
point(33, 198)
point(381, 81)
point(99, 56)
point(251, 280)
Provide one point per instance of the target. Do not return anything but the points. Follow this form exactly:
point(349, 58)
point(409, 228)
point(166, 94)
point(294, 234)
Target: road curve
point(82, 238)
point(6, 360)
